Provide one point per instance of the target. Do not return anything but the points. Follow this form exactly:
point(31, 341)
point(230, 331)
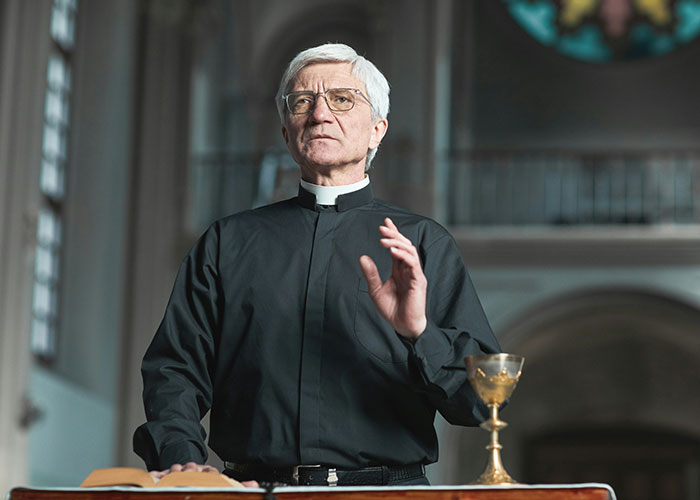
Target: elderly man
point(324, 331)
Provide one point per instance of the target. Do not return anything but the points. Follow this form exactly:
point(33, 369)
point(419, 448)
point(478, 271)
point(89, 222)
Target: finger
point(408, 253)
point(369, 269)
point(210, 468)
point(176, 468)
point(392, 242)
point(191, 466)
point(158, 473)
point(402, 255)
point(408, 259)
point(250, 484)
point(393, 227)
point(395, 237)
point(392, 232)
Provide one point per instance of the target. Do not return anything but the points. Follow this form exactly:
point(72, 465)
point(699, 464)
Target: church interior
point(558, 141)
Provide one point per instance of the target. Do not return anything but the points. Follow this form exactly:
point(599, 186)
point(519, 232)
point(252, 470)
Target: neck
point(333, 176)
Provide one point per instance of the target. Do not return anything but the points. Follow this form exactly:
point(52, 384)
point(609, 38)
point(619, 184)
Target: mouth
point(319, 136)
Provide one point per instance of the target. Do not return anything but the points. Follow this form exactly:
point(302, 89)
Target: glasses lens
point(340, 99)
point(300, 102)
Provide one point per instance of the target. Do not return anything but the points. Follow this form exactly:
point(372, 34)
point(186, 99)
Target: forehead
point(326, 76)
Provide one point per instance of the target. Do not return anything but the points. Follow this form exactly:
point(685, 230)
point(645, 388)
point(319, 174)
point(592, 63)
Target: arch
point(649, 304)
point(606, 356)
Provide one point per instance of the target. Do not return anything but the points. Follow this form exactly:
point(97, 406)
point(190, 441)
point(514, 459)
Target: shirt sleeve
point(176, 369)
point(457, 327)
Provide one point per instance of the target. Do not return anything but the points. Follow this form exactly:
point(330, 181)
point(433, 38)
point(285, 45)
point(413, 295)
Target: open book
point(131, 476)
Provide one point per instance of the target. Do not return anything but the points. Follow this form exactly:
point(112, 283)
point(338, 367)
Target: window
point(52, 180)
point(606, 31)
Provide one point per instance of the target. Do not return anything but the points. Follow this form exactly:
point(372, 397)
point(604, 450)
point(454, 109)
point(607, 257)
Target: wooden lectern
point(520, 492)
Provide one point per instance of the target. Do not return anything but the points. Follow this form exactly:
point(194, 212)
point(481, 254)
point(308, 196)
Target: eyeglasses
point(301, 103)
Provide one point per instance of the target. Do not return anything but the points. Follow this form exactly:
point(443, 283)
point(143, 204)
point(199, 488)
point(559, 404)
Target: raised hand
point(401, 299)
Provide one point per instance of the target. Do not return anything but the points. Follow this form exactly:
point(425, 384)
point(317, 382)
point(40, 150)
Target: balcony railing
point(550, 187)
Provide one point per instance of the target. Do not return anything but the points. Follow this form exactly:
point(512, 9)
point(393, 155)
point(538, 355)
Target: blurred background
point(558, 140)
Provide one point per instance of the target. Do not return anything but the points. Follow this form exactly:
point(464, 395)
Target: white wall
point(75, 435)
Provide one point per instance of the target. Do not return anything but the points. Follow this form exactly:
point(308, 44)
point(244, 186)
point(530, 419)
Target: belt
point(317, 475)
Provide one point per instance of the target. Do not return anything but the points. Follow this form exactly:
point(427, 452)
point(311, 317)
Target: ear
point(285, 135)
point(378, 132)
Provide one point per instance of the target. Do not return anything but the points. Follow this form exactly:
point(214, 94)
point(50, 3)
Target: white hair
point(376, 85)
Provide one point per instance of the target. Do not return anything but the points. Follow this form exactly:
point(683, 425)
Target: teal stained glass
point(602, 31)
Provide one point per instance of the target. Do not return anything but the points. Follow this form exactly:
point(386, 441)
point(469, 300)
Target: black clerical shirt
point(270, 326)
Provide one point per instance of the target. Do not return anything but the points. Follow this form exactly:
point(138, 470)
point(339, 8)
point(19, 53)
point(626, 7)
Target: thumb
point(369, 269)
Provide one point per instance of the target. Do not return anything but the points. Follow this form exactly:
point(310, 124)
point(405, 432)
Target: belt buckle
point(332, 478)
point(295, 472)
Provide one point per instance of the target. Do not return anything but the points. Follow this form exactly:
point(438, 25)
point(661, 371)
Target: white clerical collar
point(327, 195)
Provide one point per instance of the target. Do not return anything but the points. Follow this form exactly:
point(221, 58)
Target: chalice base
point(494, 476)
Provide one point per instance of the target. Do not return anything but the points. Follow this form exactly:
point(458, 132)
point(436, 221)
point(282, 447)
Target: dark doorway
point(639, 464)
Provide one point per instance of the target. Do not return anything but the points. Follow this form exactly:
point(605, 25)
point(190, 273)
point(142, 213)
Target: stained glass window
point(609, 30)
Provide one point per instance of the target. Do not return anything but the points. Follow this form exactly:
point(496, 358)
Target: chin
point(326, 160)
point(322, 160)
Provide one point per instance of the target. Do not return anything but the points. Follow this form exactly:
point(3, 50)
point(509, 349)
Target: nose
point(321, 112)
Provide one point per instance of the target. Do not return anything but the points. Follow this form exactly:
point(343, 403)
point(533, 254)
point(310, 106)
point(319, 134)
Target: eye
point(300, 99)
point(300, 102)
point(339, 96)
point(341, 99)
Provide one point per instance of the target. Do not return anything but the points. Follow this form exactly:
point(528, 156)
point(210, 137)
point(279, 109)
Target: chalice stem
point(494, 473)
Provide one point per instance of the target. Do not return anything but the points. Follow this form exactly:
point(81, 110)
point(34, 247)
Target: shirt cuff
point(180, 453)
point(431, 350)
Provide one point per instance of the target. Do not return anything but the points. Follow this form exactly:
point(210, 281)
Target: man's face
point(324, 140)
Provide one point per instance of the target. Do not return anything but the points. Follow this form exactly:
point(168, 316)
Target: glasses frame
point(315, 95)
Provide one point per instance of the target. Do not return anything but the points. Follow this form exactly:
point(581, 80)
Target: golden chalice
point(494, 377)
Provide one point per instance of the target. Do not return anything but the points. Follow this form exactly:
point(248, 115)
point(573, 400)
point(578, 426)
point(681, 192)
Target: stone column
point(156, 223)
point(24, 47)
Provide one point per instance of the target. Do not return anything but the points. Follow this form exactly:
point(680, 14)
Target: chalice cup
point(494, 377)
